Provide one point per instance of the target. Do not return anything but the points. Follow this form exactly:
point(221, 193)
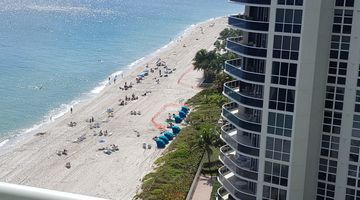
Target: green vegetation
point(176, 169)
point(216, 186)
point(226, 33)
point(212, 62)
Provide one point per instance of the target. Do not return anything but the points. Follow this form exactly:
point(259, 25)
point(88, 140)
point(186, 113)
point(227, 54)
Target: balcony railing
point(238, 45)
point(249, 122)
point(251, 97)
point(237, 187)
point(222, 194)
point(239, 142)
point(235, 68)
point(245, 22)
point(259, 2)
point(240, 165)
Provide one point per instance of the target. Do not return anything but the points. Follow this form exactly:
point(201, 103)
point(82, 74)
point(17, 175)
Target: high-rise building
point(293, 124)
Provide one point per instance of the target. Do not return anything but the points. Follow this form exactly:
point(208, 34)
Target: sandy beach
point(35, 162)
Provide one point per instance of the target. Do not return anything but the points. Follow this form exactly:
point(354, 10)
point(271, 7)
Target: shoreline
point(34, 161)
point(9, 141)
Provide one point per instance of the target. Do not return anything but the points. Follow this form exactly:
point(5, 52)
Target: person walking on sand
point(109, 80)
point(71, 110)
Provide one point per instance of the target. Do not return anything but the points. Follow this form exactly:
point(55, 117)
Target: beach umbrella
point(178, 119)
point(164, 138)
point(169, 135)
point(175, 129)
point(182, 114)
point(185, 109)
point(160, 143)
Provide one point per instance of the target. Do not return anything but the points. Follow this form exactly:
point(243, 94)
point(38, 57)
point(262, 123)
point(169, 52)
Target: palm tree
point(208, 61)
point(207, 139)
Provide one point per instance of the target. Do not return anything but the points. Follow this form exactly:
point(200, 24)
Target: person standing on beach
point(109, 80)
point(71, 109)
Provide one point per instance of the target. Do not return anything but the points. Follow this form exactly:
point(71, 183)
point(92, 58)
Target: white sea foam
point(136, 62)
point(101, 86)
point(4, 142)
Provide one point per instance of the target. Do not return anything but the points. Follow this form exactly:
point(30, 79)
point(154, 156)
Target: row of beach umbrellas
point(167, 136)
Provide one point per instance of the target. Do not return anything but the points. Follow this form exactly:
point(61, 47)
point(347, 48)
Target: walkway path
point(203, 189)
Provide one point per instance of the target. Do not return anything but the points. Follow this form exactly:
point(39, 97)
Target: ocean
point(55, 53)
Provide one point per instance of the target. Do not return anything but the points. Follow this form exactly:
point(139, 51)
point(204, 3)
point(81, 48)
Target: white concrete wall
point(310, 94)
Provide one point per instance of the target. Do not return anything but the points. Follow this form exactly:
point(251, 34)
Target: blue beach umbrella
point(182, 114)
point(160, 144)
point(185, 109)
point(175, 129)
point(169, 135)
point(178, 119)
point(164, 138)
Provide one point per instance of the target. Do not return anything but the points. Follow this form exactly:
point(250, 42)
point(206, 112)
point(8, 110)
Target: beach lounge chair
point(68, 165)
point(107, 151)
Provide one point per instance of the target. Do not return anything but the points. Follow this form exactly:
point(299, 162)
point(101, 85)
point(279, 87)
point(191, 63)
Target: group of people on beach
point(163, 71)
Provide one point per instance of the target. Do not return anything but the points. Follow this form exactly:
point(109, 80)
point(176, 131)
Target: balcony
point(247, 94)
point(242, 119)
point(248, 23)
point(238, 141)
point(238, 188)
point(241, 165)
point(239, 46)
point(222, 194)
point(251, 73)
point(258, 2)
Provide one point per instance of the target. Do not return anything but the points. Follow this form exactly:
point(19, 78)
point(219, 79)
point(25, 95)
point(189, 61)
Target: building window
point(325, 191)
point(346, 3)
point(334, 97)
point(337, 68)
point(327, 170)
point(273, 193)
point(288, 20)
point(284, 73)
point(278, 149)
point(291, 2)
point(342, 21)
point(354, 150)
point(329, 146)
point(282, 99)
point(286, 47)
point(276, 173)
point(280, 124)
point(332, 121)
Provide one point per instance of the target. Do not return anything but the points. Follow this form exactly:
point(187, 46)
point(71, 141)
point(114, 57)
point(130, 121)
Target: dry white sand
point(116, 176)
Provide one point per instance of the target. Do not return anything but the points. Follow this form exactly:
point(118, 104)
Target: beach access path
point(34, 161)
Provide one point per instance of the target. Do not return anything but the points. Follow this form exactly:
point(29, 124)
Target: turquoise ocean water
point(54, 53)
